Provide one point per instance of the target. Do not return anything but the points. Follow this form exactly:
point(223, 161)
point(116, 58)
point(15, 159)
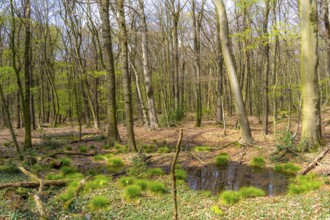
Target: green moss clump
point(115, 162)
point(54, 176)
point(74, 176)
point(216, 210)
point(250, 192)
point(126, 180)
point(132, 192)
point(258, 162)
point(69, 192)
point(222, 159)
point(202, 149)
point(142, 183)
point(121, 148)
point(82, 149)
point(303, 184)
point(156, 187)
point(229, 197)
point(180, 174)
point(155, 172)
point(66, 170)
point(98, 202)
point(163, 150)
point(98, 157)
point(97, 182)
point(287, 168)
point(66, 161)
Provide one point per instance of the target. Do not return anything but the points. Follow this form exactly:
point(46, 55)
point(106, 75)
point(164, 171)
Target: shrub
point(115, 162)
point(142, 183)
point(98, 202)
point(126, 180)
point(248, 192)
point(303, 184)
point(180, 174)
point(287, 168)
point(222, 159)
point(229, 197)
point(98, 157)
point(132, 192)
point(66, 161)
point(216, 210)
point(156, 187)
point(284, 147)
point(82, 149)
point(202, 148)
point(66, 170)
point(174, 117)
point(155, 172)
point(258, 162)
point(163, 150)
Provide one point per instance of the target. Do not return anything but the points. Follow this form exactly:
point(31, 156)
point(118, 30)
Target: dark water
point(234, 176)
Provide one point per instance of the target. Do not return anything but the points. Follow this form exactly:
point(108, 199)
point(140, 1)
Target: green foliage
point(92, 147)
point(69, 192)
point(115, 162)
point(68, 148)
point(222, 159)
point(9, 167)
point(99, 157)
point(108, 156)
point(258, 162)
point(180, 174)
point(66, 170)
point(54, 176)
point(74, 176)
point(147, 148)
point(98, 202)
point(142, 183)
point(66, 161)
point(202, 148)
point(97, 182)
point(174, 116)
point(126, 180)
point(248, 192)
point(155, 172)
point(156, 187)
point(48, 142)
point(163, 150)
point(139, 168)
point(287, 168)
point(216, 210)
point(121, 148)
point(106, 146)
point(284, 147)
point(229, 197)
point(303, 184)
point(132, 192)
point(82, 149)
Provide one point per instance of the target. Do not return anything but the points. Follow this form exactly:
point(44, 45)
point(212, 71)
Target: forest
point(164, 109)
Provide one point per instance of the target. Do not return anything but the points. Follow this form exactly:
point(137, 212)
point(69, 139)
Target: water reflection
point(234, 176)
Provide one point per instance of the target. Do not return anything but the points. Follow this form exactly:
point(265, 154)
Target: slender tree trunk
point(113, 135)
point(311, 114)
point(246, 137)
point(126, 76)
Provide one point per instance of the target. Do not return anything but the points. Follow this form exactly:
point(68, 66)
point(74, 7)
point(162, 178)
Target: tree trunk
point(311, 114)
point(246, 137)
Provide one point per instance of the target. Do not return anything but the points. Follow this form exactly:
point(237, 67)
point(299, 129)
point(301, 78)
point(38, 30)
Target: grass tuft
point(98, 202)
point(132, 192)
point(155, 172)
point(222, 159)
point(180, 174)
point(98, 157)
point(229, 197)
point(156, 187)
point(287, 168)
point(216, 210)
point(66, 161)
point(258, 162)
point(163, 150)
point(251, 192)
point(202, 148)
point(115, 162)
point(82, 149)
point(303, 184)
point(142, 183)
point(126, 180)
point(66, 170)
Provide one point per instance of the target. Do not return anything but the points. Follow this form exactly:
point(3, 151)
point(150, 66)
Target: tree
point(113, 135)
point(311, 115)
point(246, 137)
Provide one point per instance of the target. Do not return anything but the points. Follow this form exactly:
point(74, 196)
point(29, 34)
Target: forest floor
point(192, 204)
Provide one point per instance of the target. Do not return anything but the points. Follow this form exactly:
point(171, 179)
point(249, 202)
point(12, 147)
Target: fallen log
point(70, 153)
point(315, 162)
point(34, 184)
point(76, 193)
point(97, 138)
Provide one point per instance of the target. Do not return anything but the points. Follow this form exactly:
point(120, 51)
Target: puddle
point(234, 176)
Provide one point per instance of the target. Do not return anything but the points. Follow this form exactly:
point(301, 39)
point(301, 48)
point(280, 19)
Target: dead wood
point(315, 162)
point(34, 184)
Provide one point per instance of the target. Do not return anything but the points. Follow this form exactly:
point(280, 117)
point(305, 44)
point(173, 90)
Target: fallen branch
point(226, 145)
point(62, 182)
point(196, 157)
point(177, 151)
point(76, 193)
point(97, 138)
point(42, 212)
point(315, 162)
point(70, 153)
point(34, 177)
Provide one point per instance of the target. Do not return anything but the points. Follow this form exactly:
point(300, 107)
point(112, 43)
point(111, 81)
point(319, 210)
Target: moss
point(156, 187)
point(249, 192)
point(97, 182)
point(54, 176)
point(74, 176)
point(287, 168)
point(163, 150)
point(202, 149)
point(303, 184)
point(229, 197)
point(98, 202)
point(180, 174)
point(115, 162)
point(125, 181)
point(258, 162)
point(69, 192)
point(222, 159)
point(132, 192)
point(155, 172)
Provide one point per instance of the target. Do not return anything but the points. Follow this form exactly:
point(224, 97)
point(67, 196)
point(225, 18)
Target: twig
point(314, 163)
point(196, 157)
point(177, 151)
